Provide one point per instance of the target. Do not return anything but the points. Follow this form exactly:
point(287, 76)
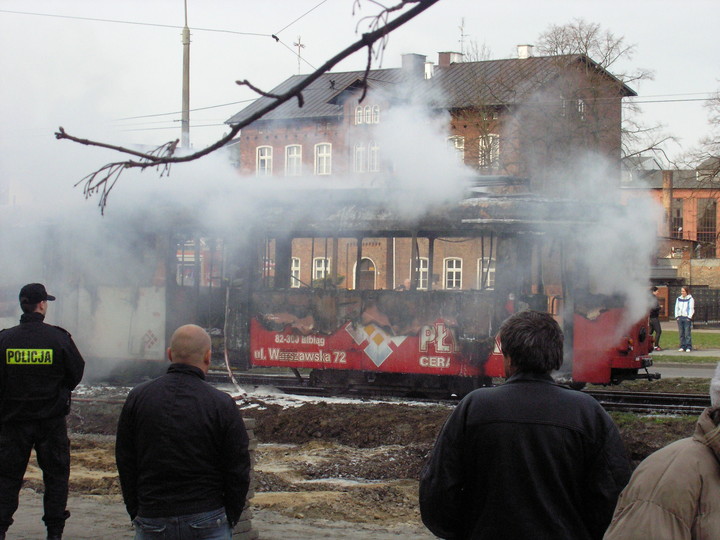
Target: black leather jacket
point(182, 448)
point(40, 368)
point(528, 459)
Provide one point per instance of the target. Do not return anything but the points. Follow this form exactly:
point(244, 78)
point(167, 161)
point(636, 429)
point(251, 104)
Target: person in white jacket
point(684, 311)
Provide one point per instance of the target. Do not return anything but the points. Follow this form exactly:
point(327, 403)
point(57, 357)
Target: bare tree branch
point(104, 179)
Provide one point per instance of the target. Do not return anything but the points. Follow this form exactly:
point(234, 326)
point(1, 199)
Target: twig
point(104, 179)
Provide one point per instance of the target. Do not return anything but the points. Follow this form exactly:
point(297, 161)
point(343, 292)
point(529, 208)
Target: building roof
point(682, 179)
point(462, 84)
point(321, 97)
point(504, 82)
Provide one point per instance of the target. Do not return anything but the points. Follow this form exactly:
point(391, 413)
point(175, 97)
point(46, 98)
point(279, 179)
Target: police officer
point(40, 366)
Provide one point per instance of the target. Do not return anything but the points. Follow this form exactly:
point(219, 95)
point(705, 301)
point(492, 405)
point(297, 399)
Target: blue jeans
point(684, 327)
point(211, 525)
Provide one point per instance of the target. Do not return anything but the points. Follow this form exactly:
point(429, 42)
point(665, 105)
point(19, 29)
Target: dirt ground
point(323, 469)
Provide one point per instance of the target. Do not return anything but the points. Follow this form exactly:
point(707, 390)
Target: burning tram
point(340, 325)
point(319, 289)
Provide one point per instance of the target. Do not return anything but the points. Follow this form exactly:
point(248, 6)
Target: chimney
point(413, 65)
point(524, 51)
point(429, 70)
point(447, 58)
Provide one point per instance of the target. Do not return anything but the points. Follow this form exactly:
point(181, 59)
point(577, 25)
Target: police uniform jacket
point(673, 494)
point(182, 448)
point(40, 368)
point(528, 459)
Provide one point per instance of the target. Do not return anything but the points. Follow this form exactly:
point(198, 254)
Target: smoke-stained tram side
point(350, 333)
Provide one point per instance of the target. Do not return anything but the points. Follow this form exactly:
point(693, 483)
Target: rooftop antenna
point(299, 46)
point(463, 35)
point(185, 120)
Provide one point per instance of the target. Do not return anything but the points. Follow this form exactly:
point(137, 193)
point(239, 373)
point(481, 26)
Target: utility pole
point(299, 46)
point(185, 121)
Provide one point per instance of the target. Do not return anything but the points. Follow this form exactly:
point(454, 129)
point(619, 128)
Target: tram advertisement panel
point(361, 347)
point(386, 332)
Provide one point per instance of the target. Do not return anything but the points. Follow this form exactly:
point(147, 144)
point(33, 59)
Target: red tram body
point(431, 340)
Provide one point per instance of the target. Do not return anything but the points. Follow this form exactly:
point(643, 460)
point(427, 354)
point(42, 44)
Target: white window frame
point(321, 268)
point(422, 273)
point(360, 158)
point(490, 263)
point(456, 143)
point(376, 114)
point(452, 273)
point(293, 160)
point(359, 116)
point(264, 160)
point(323, 158)
point(489, 151)
point(368, 114)
point(373, 157)
point(295, 272)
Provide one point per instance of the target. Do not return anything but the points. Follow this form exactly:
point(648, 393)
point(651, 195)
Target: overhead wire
point(137, 23)
point(196, 29)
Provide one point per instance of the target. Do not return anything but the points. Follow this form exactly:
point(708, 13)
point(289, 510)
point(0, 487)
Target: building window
point(373, 157)
point(321, 268)
point(264, 160)
point(421, 273)
point(323, 158)
point(486, 273)
point(367, 114)
point(295, 272)
point(707, 226)
point(677, 218)
point(359, 158)
point(453, 273)
point(489, 151)
point(293, 160)
point(366, 158)
point(581, 109)
point(456, 144)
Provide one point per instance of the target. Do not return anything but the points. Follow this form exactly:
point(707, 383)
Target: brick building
point(689, 248)
point(522, 117)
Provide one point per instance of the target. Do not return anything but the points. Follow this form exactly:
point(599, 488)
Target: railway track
point(651, 402)
point(611, 400)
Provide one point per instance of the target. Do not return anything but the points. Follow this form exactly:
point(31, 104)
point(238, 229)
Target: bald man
point(182, 449)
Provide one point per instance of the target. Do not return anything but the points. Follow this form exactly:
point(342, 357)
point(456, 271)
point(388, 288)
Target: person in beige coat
point(674, 493)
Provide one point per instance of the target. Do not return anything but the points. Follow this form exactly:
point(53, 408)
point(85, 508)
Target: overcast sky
point(118, 81)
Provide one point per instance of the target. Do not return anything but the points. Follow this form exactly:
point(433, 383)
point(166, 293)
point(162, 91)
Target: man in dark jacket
point(41, 366)
point(528, 459)
point(655, 327)
point(182, 449)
